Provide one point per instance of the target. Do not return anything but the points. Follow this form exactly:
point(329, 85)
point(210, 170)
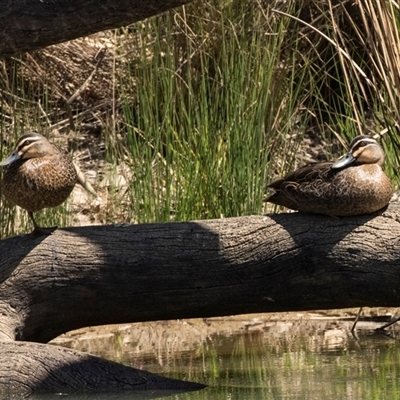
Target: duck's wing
point(307, 173)
point(296, 187)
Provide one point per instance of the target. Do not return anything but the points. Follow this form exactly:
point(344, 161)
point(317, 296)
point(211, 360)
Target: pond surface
point(255, 357)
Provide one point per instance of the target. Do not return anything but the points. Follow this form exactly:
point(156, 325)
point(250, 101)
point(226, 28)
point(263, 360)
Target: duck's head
point(30, 145)
point(363, 150)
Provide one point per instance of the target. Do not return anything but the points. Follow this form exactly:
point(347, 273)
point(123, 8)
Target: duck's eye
point(24, 144)
point(359, 145)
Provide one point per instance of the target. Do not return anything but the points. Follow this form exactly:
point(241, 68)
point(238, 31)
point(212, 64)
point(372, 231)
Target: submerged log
point(32, 24)
point(99, 275)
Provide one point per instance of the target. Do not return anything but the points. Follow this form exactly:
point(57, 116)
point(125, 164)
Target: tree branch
point(32, 24)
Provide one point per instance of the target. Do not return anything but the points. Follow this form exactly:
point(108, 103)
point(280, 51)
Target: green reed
point(212, 101)
point(208, 108)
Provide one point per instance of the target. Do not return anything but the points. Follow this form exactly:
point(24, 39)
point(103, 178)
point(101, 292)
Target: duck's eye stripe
point(359, 144)
point(362, 143)
point(23, 144)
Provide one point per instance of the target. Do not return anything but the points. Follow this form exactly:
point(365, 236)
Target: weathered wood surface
point(116, 274)
point(34, 367)
point(32, 24)
point(100, 275)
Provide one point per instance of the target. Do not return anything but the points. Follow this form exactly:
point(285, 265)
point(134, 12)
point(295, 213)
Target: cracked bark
point(117, 274)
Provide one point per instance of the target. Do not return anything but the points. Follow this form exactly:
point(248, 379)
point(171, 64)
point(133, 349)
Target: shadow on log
point(100, 275)
point(32, 24)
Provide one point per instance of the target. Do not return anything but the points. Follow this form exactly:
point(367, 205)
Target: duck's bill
point(9, 160)
point(343, 161)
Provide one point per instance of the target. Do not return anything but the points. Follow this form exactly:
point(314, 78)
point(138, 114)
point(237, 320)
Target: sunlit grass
point(202, 112)
point(202, 106)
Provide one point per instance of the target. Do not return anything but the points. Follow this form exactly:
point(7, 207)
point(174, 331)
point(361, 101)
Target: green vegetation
point(273, 360)
point(257, 366)
point(189, 114)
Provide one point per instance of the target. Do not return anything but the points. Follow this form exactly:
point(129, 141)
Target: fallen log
point(99, 275)
point(34, 367)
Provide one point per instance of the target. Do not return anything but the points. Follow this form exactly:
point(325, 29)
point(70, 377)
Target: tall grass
point(211, 98)
point(202, 106)
point(355, 60)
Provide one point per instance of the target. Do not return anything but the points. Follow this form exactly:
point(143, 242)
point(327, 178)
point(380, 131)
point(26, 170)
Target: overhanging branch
point(32, 24)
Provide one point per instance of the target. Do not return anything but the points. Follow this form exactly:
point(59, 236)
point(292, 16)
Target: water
point(249, 366)
point(255, 359)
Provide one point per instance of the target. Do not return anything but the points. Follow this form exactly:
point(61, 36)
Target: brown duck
point(354, 184)
point(37, 175)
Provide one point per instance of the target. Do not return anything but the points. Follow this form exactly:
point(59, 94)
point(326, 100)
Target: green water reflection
point(249, 367)
point(290, 361)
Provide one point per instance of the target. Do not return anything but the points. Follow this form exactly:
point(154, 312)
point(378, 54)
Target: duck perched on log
point(37, 175)
point(355, 184)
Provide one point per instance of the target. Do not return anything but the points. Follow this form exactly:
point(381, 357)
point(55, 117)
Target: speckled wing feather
point(301, 185)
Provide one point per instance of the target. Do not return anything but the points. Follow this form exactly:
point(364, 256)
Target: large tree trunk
point(32, 24)
point(116, 274)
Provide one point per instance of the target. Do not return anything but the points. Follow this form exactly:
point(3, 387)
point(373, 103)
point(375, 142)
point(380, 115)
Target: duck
point(354, 184)
point(37, 175)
